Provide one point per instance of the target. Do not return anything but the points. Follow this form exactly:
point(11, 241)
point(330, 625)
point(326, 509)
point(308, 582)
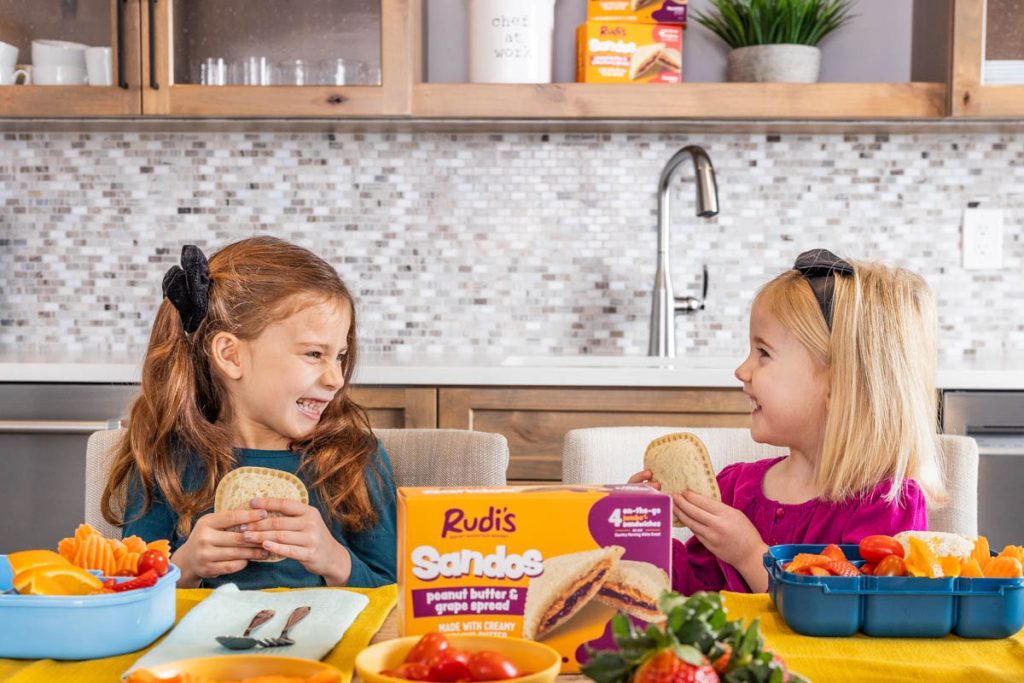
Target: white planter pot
point(774, 64)
point(510, 40)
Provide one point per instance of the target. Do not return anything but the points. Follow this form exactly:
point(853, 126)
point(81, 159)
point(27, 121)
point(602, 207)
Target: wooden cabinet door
point(399, 407)
point(279, 58)
point(92, 23)
point(987, 34)
point(535, 420)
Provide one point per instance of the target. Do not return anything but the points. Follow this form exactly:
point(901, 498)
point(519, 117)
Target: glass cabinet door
point(987, 78)
point(69, 58)
point(324, 58)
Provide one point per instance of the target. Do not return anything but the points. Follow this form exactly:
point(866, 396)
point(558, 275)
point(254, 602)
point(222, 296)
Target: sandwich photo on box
point(568, 583)
point(633, 588)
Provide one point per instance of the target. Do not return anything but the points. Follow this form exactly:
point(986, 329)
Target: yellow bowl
point(542, 661)
point(234, 667)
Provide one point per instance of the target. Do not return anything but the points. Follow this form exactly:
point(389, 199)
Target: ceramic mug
point(98, 66)
point(9, 75)
point(8, 55)
point(58, 53)
point(58, 75)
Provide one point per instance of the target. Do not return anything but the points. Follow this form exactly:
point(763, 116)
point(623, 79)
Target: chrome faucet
point(666, 304)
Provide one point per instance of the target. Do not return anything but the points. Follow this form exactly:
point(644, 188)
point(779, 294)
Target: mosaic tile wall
point(518, 243)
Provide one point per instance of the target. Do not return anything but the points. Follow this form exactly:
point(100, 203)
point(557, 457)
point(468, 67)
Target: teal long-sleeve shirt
point(373, 550)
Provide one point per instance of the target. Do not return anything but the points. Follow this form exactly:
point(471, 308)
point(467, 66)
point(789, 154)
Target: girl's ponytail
point(174, 414)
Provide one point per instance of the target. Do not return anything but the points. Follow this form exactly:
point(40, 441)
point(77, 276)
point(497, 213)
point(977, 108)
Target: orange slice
point(30, 559)
point(57, 579)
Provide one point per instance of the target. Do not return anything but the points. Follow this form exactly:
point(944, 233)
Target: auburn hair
point(253, 283)
point(880, 360)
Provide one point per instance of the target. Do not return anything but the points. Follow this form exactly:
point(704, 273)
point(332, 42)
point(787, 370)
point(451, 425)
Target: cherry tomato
point(152, 559)
point(449, 665)
point(426, 647)
point(410, 671)
point(867, 569)
point(891, 565)
point(875, 548)
point(491, 666)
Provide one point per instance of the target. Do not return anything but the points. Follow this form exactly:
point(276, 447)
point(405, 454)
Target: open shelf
point(683, 101)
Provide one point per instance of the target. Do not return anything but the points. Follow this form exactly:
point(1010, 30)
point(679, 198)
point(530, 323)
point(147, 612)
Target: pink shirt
point(694, 568)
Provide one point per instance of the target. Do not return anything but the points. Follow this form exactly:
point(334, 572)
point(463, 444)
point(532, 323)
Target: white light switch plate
point(983, 239)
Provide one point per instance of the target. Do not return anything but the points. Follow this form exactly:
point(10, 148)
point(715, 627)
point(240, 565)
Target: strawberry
point(666, 667)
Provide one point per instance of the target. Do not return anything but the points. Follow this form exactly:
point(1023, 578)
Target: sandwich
point(644, 60)
point(635, 5)
point(242, 484)
point(633, 588)
point(671, 59)
point(567, 584)
point(680, 462)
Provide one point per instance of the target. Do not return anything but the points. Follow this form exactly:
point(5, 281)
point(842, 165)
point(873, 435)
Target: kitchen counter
point(988, 373)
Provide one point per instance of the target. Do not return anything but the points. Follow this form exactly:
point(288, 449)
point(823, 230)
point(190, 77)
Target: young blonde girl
point(841, 371)
point(249, 363)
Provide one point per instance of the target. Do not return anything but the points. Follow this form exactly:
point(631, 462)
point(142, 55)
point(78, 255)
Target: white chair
point(606, 455)
point(420, 457)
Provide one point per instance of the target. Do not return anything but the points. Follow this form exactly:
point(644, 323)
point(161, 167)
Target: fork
point(297, 615)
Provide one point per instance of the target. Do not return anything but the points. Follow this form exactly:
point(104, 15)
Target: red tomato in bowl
point(152, 559)
point(491, 666)
point(410, 671)
point(876, 548)
point(426, 647)
point(449, 665)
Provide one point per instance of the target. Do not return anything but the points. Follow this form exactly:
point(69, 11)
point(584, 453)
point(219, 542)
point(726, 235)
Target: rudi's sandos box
point(549, 563)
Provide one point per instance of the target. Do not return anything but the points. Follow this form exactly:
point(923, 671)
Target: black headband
point(819, 267)
point(187, 287)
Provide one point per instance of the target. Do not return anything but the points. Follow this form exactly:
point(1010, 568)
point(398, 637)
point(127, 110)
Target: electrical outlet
point(983, 239)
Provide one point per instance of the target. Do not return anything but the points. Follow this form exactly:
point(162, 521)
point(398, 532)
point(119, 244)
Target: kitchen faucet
point(666, 304)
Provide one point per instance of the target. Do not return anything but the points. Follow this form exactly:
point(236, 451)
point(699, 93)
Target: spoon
point(244, 642)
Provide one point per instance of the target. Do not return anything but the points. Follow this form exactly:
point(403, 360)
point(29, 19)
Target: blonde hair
point(880, 360)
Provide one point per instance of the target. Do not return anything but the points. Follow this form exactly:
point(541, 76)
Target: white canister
point(510, 41)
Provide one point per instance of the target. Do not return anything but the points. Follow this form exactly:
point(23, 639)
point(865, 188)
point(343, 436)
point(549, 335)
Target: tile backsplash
point(520, 243)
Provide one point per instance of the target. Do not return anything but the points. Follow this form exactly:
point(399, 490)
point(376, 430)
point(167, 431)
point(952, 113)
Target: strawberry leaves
point(697, 631)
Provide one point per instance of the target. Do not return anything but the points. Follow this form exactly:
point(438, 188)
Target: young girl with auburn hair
point(249, 364)
point(841, 371)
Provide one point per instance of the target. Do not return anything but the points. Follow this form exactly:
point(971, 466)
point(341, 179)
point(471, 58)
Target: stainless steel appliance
point(995, 419)
point(43, 433)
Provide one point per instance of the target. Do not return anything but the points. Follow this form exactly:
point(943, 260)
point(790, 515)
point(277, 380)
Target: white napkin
point(228, 610)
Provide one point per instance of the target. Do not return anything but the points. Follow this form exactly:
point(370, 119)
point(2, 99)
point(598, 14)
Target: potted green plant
point(774, 40)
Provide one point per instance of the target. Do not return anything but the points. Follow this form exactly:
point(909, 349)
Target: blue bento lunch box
point(83, 627)
point(891, 606)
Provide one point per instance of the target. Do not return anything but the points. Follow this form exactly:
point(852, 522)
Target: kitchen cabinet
point(292, 45)
point(113, 23)
point(262, 58)
point(535, 420)
point(986, 31)
point(398, 407)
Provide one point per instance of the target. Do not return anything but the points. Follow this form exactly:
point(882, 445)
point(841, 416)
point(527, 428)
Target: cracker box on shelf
point(550, 563)
point(617, 52)
point(638, 11)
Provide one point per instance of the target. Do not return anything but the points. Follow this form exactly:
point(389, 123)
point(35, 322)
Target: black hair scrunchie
point(187, 287)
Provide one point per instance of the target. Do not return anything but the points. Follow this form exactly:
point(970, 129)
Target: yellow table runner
point(861, 658)
point(356, 638)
